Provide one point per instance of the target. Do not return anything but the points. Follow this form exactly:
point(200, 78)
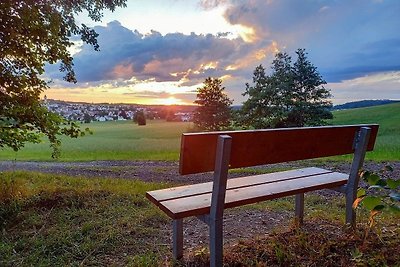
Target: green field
point(123, 140)
point(160, 140)
point(388, 117)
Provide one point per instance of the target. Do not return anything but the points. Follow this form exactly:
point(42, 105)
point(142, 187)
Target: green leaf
point(393, 184)
point(373, 179)
point(395, 196)
point(361, 192)
point(381, 182)
point(379, 207)
point(365, 175)
point(395, 209)
point(370, 202)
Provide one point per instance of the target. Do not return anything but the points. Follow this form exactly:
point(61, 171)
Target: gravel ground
point(239, 223)
point(163, 171)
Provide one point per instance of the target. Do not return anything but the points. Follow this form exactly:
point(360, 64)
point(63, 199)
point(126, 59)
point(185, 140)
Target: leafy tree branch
point(34, 33)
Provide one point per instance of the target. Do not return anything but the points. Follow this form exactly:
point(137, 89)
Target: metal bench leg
point(350, 213)
point(299, 208)
point(177, 239)
point(360, 145)
point(216, 243)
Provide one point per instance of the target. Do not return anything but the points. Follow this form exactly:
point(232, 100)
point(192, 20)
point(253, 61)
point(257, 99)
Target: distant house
point(184, 116)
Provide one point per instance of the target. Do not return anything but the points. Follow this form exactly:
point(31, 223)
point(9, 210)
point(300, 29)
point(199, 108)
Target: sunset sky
point(160, 51)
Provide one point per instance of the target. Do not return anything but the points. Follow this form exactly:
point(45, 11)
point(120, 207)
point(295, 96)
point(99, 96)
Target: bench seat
point(195, 200)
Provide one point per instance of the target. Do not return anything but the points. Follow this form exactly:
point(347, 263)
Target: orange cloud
point(124, 71)
point(255, 56)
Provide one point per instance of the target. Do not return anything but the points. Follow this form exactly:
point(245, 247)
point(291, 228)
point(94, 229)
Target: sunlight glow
point(255, 56)
point(170, 101)
point(248, 34)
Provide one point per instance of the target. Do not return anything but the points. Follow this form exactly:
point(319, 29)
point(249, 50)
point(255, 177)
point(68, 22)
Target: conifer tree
point(213, 112)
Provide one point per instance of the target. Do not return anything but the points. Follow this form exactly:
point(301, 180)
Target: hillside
point(364, 104)
point(387, 116)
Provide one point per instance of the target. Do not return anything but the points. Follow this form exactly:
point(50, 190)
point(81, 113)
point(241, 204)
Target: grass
point(316, 244)
point(160, 140)
point(122, 140)
point(387, 146)
point(321, 241)
point(257, 170)
point(56, 220)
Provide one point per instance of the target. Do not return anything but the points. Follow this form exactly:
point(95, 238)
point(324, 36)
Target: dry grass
point(316, 243)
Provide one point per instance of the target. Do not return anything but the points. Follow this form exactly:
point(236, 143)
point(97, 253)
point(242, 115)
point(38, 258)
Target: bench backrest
point(258, 147)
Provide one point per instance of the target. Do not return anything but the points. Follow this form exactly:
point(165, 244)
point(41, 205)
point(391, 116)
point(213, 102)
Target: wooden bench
point(220, 151)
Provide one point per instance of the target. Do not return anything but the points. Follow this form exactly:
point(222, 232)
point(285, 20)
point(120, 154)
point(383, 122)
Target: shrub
point(381, 195)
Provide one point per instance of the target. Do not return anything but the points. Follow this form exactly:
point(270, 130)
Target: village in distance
point(89, 112)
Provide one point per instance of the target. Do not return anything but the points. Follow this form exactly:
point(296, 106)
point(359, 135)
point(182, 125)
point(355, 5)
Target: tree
point(87, 118)
point(213, 112)
point(311, 104)
point(32, 34)
point(293, 95)
point(140, 118)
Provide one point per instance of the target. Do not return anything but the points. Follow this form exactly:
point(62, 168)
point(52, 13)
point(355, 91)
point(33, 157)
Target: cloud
point(345, 39)
point(210, 4)
point(385, 85)
point(174, 62)
point(172, 57)
point(149, 94)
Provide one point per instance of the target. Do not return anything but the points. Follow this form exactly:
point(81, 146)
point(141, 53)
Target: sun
point(170, 101)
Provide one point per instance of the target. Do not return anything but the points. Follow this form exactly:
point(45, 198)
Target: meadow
point(160, 140)
point(387, 146)
point(58, 220)
point(113, 140)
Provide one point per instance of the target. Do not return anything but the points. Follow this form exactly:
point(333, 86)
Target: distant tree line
point(293, 95)
point(364, 103)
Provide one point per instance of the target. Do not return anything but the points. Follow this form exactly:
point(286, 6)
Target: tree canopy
point(292, 95)
point(213, 112)
point(32, 34)
point(140, 118)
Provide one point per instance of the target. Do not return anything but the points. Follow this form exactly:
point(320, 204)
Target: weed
point(280, 253)
point(11, 188)
point(149, 259)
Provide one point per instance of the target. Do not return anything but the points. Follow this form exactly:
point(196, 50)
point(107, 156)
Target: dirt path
point(163, 171)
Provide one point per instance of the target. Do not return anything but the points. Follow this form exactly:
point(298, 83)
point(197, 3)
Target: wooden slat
point(257, 147)
point(197, 189)
point(200, 204)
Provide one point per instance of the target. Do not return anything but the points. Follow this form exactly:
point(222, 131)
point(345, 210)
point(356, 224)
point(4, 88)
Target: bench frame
point(215, 218)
